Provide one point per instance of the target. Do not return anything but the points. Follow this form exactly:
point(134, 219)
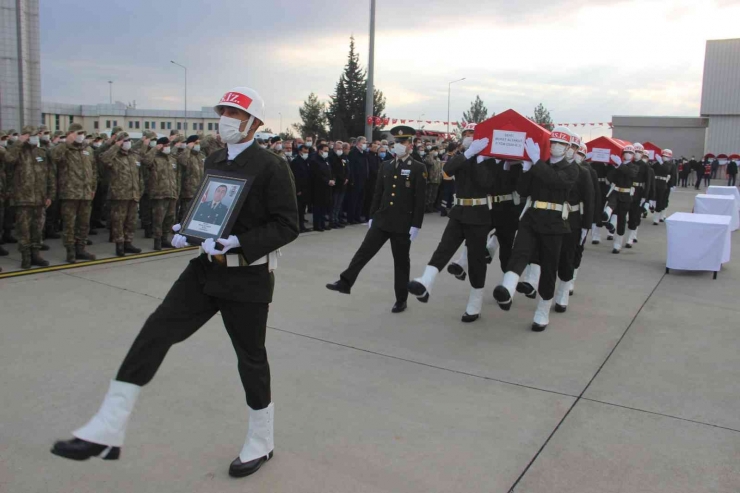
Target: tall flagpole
point(369, 96)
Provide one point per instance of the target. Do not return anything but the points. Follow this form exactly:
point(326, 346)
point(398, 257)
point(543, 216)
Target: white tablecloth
point(733, 191)
point(718, 205)
point(698, 241)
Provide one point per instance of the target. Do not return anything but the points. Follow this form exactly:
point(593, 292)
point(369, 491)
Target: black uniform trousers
point(635, 212)
point(661, 197)
point(568, 254)
point(185, 309)
point(620, 209)
point(506, 222)
point(545, 249)
point(371, 245)
point(475, 237)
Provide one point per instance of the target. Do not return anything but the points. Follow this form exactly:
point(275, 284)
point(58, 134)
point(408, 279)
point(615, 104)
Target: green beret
point(75, 127)
point(116, 130)
point(29, 129)
point(121, 136)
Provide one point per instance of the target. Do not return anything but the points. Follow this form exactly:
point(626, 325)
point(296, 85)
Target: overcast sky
point(586, 60)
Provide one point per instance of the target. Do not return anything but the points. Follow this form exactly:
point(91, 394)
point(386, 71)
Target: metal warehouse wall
point(720, 93)
point(723, 135)
point(684, 136)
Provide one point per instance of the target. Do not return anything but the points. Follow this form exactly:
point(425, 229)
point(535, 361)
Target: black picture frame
point(206, 219)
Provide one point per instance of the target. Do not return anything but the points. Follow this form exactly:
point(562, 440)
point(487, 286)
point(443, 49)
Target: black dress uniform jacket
point(339, 170)
point(504, 182)
point(623, 177)
point(582, 194)
point(598, 205)
point(547, 182)
point(473, 180)
point(398, 202)
point(267, 221)
point(643, 176)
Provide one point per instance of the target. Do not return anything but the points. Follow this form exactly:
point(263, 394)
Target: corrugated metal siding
point(721, 83)
point(685, 142)
point(723, 135)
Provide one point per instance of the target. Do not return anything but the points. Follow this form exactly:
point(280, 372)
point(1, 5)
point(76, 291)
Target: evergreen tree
point(313, 119)
point(287, 134)
point(478, 112)
point(267, 130)
point(542, 117)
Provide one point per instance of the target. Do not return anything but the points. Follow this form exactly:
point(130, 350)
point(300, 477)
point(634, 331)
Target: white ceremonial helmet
point(575, 139)
point(582, 149)
point(245, 99)
point(628, 148)
point(639, 147)
point(667, 153)
point(561, 134)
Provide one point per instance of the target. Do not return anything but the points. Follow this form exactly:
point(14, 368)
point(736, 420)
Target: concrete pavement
point(634, 389)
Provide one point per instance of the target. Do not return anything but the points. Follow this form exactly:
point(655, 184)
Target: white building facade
point(720, 96)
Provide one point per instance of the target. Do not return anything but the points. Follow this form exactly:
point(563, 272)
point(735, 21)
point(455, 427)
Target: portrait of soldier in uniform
point(213, 211)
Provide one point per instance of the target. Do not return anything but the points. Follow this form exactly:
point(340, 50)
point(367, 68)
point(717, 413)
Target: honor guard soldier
point(397, 212)
point(236, 280)
point(601, 169)
point(621, 177)
point(664, 179)
point(595, 210)
point(543, 224)
point(641, 196)
point(470, 222)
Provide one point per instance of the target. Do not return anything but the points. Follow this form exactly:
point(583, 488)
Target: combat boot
point(25, 260)
point(9, 238)
point(37, 260)
point(119, 250)
point(148, 231)
point(81, 254)
point(158, 244)
point(52, 235)
point(128, 247)
point(3, 252)
point(166, 243)
point(71, 254)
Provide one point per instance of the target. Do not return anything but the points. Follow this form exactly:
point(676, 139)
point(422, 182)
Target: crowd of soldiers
point(69, 184)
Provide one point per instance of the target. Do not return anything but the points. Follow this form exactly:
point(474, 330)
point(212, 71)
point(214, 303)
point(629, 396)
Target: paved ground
point(634, 389)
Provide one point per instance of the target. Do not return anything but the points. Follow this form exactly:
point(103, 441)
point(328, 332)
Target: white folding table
point(697, 242)
point(733, 191)
point(718, 205)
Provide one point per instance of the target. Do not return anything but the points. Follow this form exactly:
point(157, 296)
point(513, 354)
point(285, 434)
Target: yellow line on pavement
point(54, 268)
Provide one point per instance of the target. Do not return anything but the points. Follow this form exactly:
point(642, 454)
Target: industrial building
point(685, 136)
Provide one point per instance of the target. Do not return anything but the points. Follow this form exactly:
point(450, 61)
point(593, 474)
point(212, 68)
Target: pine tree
point(542, 117)
point(313, 118)
point(266, 130)
point(478, 112)
point(287, 134)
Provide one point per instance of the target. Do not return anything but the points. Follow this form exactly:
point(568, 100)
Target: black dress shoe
point(77, 449)
point(339, 286)
point(615, 251)
point(526, 289)
point(469, 318)
point(398, 307)
point(628, 245)
point(419, 290)
point(595, 242)
point(45, 247)
point(560, 308)
point(537, 327)
point(457, 271)
point(502, 297)
point(239, 469)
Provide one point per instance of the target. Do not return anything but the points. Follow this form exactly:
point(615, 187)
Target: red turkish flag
point(386, 120)
point(369, 120)
point(395, 120)
point(377, 120)
point(403, 121)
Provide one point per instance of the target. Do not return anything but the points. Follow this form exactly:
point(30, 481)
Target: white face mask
point(79, 138)
point(422, 153)
point(429, 148)
point(126, 146)
point(627, 157)
point(435, 154)
point(339, 152)
point(638, 156)
point(304, 156)
point(399, 150)
point(13, 138)
point(325, 155)
point(46, 138)
point(166, 150)
point(570, 154)
point(466, 142)
point(363, 147)
point(579, 158)
point(263, 146)
point(309, 143)
point(96, 145)
point(33, 140)
point(557, 149)
point(3, 143)
point(278, 147)
point(152, 143)
point(228, 129)
point(196, 147)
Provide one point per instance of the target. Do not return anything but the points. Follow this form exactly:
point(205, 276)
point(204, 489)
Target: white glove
point(617, 160)
point(229, 243)
point(179, 241)
point(370, 224)
point(475, 147)
point(532, 149)
point(589, 155)
point(647, 206)
point(507, 165)
point(659, 158)
point(480, 159)
point(673, 189)
point(584, 232)
point(176, 228)
point(414, 232)
point(642, 202)
point(652, 204)
point(526, 165)
point(209, 246)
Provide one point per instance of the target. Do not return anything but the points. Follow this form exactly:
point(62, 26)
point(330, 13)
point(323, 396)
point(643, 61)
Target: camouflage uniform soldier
point(100, 203)
point(162, 191)
point(9, 219)
point(77, 178)
point(34, 185)
point(50, 225)
point(57, 138)
point(191, 162)
point(3, 190)
point(141, 148)
point(126, 184)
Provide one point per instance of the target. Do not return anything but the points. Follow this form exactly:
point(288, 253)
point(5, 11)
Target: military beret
point(29, 129)
point(163, 141)
point(193, 138)
point(275, 139)
point(148, 134)
point(90, 135)
point(103, 135)
point(116, 130)
point(173, 132)
point(97, 137)
point(12, 131)
point(121, 136)
point(2, 134)
point(43, 128)
point(75, 127)
point(58, 133)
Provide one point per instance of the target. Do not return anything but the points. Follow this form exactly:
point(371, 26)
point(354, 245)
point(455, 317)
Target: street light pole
point(280, 130)
point(449, 89)
point(110, 84)
point(369, 95)
point(186, 93)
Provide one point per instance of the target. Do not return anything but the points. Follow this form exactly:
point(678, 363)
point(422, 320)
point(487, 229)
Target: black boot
point(148, 232)
point(166, 243)
point(239, 469)
point(339, 286)
point(9, 238)
point(157, 244)
point(81, 254)
point(119, 250)
point(53, 235)
point(25, 260)
point(45, 247)
point(128, 247)
point(71, 257)
point(3, 252)
point(77, 449)
point(37, 260)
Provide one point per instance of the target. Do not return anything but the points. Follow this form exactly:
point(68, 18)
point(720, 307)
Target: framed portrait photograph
point(215, 207)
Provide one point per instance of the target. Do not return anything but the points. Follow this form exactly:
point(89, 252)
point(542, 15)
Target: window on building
point(115, 123)
point(107, 124)
point(154, 125)
point(201, 126)
point(169, 125)
point(179, 125)
point(210, 126)
point(136, 125)
point(216, 126)
point(56, 122)
point(161, 125)
point(71, 119)
point(130, 124)
point(146, 125)
point(96, 125)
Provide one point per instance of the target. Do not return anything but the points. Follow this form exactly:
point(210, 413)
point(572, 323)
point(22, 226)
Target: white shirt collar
point(236, 149)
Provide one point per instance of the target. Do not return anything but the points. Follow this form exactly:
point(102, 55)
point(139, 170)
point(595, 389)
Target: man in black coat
point(731, 172)
point(236, 280)
point(397, 213)
point(302, 175)
point(322, 182)
point(358, 175)
point(373, 166)
point(641, 185)
point(339, 167)
point(619, 200)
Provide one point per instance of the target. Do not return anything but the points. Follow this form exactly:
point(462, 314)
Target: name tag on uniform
point(85, 153)
point(405, 172)
point(39, 159)
point(174, 166)
point(138, 164)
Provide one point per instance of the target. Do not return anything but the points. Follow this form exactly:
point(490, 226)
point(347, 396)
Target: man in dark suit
point(302, 177)
point(213, 212)
point(397, 213)
point(358, 175)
